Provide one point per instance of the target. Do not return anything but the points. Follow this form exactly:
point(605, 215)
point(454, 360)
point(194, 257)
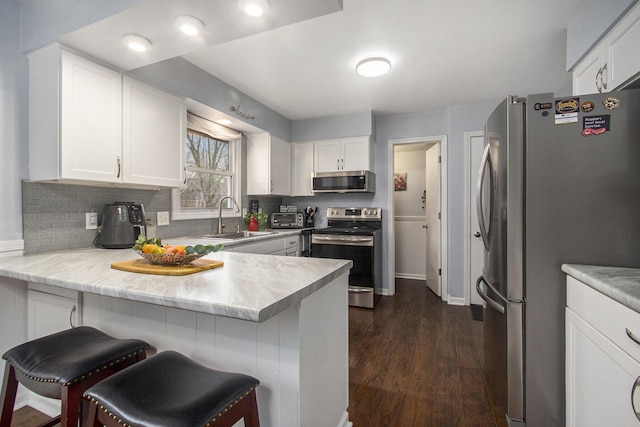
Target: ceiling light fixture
point(373, 67)
point(189, 25)
point(136, 43)
point(254, 8)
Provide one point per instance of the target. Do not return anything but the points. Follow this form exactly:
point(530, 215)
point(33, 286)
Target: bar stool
point(62, 366)
point(172, 390)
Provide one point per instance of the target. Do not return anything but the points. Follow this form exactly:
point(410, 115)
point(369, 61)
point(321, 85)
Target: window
point(212, 171)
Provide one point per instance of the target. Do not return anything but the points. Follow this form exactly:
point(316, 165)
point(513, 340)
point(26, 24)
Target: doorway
point(474, 249)
point(417, 195)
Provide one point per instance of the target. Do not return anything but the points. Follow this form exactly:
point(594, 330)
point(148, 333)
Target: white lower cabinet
point(50, 310)
point(287, 246)
point(602, 361)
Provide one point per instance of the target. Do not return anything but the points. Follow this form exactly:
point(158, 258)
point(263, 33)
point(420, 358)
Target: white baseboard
point(11, 247)
point(456, 301)
point(344, 421)
point(410, 276)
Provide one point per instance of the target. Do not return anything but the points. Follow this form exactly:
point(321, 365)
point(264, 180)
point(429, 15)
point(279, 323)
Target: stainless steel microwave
point(344, 182)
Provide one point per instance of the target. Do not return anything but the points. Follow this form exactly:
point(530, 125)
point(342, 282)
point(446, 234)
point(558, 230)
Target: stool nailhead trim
point(226, 409)
point(52, 380)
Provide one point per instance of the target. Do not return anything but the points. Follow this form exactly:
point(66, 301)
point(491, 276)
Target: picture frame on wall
point(400, 181)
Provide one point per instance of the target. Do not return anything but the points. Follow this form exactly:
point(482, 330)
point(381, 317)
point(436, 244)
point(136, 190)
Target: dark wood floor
point(417, 362)
point(414, 362)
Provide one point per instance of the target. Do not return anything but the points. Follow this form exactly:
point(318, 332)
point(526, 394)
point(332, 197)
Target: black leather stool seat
point(170, 389)
point(70, 356)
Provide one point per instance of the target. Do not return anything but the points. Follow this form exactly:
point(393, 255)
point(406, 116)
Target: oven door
point(360, 250)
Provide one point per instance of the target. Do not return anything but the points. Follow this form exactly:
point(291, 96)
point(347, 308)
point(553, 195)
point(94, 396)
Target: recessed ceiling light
point(224, 122)
point(254, 8)
point(189, 25)
point(373, 67)
point(136, 42)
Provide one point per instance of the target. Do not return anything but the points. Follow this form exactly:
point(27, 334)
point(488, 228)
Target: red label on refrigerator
point(595, 125)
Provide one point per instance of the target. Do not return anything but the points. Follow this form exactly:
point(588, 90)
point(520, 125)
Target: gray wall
point(13, 121)
point(357, 124)
point(588, 26)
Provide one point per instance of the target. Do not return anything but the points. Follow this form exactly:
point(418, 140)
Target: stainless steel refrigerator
point(559, 183)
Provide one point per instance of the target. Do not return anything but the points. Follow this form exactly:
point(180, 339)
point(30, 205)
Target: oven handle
point(333, 239)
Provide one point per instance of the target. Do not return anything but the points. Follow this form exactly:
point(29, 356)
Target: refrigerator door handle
point(494, 304)
point(479, 196)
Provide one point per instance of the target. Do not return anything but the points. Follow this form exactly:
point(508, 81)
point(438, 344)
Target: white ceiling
point(443, 52)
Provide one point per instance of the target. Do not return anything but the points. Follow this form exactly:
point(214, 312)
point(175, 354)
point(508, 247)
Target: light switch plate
point(163, 218)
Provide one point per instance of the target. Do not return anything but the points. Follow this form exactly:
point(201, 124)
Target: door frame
point(468, 173)
point(436, 139)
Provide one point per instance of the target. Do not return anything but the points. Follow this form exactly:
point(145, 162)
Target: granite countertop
point(619, 283)
point(248, 286)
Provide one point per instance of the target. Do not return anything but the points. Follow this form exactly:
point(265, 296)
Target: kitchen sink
point(236, 235)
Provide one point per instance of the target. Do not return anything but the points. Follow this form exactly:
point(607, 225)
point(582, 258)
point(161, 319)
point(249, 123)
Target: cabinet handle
point(73, 310)
point(603, 76)
point(633, 391)
point(119, 167)
point(599, 80)
point(271, 186)
point(338, 164)
point(631, 336)
point(184, 169)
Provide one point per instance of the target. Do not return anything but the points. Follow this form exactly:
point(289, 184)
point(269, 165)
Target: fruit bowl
point(170, 259)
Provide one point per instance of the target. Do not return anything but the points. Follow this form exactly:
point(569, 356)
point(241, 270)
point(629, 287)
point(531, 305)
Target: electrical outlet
point(163, 218)
point(91, 220)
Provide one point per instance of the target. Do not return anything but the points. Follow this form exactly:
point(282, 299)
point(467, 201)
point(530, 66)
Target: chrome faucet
point(220, 226)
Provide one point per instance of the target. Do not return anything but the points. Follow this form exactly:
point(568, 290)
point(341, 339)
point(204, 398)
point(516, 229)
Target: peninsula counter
point(281, 319)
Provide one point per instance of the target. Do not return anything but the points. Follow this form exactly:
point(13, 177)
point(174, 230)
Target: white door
point(432, 218)
point(476, 252)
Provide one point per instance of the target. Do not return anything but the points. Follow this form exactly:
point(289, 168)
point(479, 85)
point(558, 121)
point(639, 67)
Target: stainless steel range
point(355, 234)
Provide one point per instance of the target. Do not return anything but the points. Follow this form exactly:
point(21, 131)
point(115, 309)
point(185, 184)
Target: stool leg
point(251, 419)
point(91, 416)
point(71, 397)
point(9, 390)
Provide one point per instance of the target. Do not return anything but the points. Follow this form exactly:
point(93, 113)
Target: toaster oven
point(287, 220)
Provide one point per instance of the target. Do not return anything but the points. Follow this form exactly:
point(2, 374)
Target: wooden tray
point(143, 266)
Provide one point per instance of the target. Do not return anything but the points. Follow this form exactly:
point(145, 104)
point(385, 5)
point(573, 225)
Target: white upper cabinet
point(302, 168)
point(268, 165)
point(613, 61)
point(346, 154)
point(75, 118)
point(154, 135)
point(87, 126)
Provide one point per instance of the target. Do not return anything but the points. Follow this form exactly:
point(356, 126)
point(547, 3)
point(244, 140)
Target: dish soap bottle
point(253, 223)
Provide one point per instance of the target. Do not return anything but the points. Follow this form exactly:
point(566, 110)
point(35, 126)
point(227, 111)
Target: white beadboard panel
point(268, 371)
point(236, 345)
point(149, 323)
point(206, 339)
point(411, 247)
point(181, 331)
point(290, 366)
point(121, 318)
point(324, 356)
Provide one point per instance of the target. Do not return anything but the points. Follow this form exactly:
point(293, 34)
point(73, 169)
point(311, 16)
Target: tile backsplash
point(54, 214)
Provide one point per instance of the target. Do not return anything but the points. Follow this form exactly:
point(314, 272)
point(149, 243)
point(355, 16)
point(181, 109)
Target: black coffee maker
point(122, 223)
point(309, 212)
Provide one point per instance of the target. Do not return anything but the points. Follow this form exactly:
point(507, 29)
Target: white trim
point(456, 301)
point(467, 217)
point(11, 247)
point(344, 421)
point(411, 276)
point(437, 139)
point(409, 218)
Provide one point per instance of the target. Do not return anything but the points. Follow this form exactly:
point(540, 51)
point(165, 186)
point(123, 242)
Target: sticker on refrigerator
point(568, 105)
point(596, 125)
point(563, 119)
